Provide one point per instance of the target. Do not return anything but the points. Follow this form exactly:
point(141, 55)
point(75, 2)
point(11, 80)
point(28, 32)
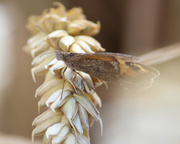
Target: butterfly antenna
point(43, 31)
point(50, 40)
point(48, 52)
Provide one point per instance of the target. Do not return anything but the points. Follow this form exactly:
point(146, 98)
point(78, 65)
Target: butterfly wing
point(112, 67)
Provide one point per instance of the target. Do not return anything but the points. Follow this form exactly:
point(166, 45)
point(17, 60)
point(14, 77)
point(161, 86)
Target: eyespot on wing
point(136, 73)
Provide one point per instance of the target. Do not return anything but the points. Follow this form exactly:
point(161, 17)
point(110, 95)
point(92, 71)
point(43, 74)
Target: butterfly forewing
point(112, 67)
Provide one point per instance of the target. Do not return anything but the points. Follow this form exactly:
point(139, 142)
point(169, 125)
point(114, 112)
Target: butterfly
point(110, 67)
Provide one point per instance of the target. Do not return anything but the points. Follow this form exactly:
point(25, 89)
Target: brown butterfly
point(110, 67)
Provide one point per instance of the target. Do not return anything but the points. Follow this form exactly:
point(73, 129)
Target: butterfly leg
point(63, 82)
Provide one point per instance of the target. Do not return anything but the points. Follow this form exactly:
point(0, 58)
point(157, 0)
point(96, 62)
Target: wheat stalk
point(68, 118)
